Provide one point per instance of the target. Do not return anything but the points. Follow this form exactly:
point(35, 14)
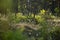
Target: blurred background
point(29, 19)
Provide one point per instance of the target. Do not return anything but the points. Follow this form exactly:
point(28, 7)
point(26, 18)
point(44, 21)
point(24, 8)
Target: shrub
point(55, 34)
point(13, 35)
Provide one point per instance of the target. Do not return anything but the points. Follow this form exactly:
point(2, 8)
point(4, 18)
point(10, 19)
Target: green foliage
point(20, 17)
point(57, 9)
point(48, 32)
point(13, 35)
point(39, 18)
point(4, 25)
point(55, 33)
